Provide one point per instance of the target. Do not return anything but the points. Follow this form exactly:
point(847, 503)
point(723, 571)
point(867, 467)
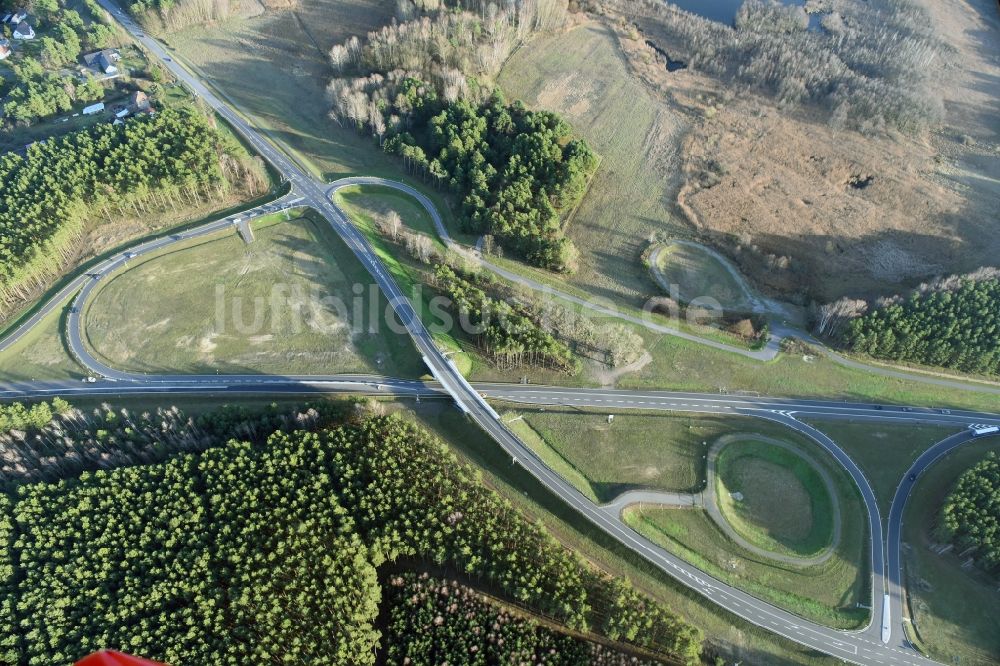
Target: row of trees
point(150, 163)
point(610, 343)
point(970, 516)
point(432, 621)
point(953, 323)
point(505, 332)
point(871, 65)
point(257, 553)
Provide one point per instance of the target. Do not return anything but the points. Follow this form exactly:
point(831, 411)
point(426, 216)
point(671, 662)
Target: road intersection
point(882, 642)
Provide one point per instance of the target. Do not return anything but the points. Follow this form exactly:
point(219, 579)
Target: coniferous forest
point(514, 170)
point(957, 327)
point(249, 550)
point(170, 159)
point(971, 512)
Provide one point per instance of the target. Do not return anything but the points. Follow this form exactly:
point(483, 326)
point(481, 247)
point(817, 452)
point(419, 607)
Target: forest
point(219, 556)
point(422, 89)
point(870, 66)
point(515, 171)
point(970, 516)
point(952, 323)
point(172, 159)
point(433, 621)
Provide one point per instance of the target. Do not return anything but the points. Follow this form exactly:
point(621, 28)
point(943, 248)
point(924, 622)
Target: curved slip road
point(707, 499)
point(857, 647)
point(897, 587)
point(289, 200)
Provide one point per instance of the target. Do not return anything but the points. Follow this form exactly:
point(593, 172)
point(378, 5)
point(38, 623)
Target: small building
point(121, 114)
point(138, 101)
point(4, 48)
point(93, 108)
point(23, 30)
point(103, 62)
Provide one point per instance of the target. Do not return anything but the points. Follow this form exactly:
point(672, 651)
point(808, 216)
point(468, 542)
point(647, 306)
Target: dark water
point(724, 11)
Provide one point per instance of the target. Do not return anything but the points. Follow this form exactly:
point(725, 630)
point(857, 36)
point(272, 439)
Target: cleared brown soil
point(812, 212)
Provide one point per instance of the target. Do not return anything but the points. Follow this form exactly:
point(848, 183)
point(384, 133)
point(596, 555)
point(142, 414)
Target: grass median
point(293, 301)
point(955, 609)
point(667, 452)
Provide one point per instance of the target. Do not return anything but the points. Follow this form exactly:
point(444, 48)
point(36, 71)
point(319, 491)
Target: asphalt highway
point(873, 645)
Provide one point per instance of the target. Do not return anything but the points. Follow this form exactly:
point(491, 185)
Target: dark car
point(913, 477)
point(877, 406)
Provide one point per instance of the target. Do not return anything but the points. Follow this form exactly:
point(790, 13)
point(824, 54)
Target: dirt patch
point(811, 211)
point(803, 207)
point(606, 376)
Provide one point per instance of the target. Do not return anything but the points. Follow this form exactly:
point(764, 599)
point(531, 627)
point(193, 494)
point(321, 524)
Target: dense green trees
point(17, 416)
point(954, 325)
point(432, 622)
point(515, 171)
point(971, 512)
point(247, 551)
point(9, 641)
point(151, 162)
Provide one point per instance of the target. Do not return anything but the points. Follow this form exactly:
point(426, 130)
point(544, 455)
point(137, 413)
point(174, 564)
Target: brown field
point(808, 212)
point(791, 186)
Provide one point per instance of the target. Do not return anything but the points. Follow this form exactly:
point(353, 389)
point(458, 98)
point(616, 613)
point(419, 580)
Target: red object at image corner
point(112, 658)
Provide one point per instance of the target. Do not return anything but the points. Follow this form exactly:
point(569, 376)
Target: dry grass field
point(285, 303)
point(810, 211)
point(273, 65)
point(807, 211)
point(584, 75)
